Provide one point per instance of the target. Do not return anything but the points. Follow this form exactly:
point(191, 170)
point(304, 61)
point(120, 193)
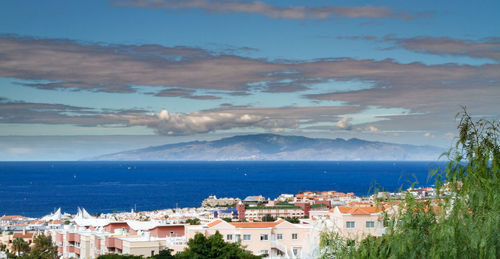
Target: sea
point(35, 189)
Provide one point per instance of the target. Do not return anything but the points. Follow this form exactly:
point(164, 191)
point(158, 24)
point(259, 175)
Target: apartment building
point(357, 222)
point(278, 239)
point(93, 237)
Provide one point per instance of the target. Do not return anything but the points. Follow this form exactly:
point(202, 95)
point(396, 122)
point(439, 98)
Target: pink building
point(93, 238)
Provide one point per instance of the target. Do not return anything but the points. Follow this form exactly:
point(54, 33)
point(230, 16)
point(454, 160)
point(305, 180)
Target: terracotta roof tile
point(214, 223)
point(13, 217)
point(27, 235)
point(257, 224)
point(359, 210)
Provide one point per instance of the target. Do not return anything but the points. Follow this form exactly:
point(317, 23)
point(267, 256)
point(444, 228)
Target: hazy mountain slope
point(277, 147)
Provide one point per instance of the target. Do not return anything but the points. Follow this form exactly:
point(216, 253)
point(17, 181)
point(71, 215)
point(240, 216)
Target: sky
point(85, 78)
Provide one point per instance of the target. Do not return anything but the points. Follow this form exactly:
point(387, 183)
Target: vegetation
point(195, 221)
point(164, 254)
point(19, 246)
point(268, 218)
point(227, 219)
point(273, 207)
point(43, 249)
point(463, 223)
point(114, 256)
point(292, 220)
point(199, 247)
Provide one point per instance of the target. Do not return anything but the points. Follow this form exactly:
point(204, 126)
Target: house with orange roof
point(357, 222)
point(8, 238)
point(275, 239)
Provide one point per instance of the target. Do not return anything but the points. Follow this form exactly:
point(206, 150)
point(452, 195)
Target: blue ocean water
point(36, 188)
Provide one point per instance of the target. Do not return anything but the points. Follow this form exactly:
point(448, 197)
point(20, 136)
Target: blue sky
point(108, 72)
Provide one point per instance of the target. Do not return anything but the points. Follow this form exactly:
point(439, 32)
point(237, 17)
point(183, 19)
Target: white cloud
point(373, 129)
point(166, 123)
point(428, 135)
point(345, 123)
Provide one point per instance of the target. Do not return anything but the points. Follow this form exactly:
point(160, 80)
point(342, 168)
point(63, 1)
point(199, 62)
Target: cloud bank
point(272, 11)
point(430, 93)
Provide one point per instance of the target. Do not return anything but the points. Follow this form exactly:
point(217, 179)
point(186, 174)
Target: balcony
point(112, 242)
point(73, 237)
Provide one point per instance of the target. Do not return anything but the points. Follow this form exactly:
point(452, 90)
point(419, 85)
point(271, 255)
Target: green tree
point(44, 248)
point(464, 222)
point(268, 218)
point(201, 247)
point(164, 254)
point(195, 221)
point(292, 220)
point(19, 246)
point(115, 256)
point(3, 247)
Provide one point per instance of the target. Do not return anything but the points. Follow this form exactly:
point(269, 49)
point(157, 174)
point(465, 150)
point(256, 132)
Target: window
point(264, 237)
point(247, 237)
point(279, 236)
point(152, 253)
point(237, 237)
point(229, 237)
point(295, 236)
point(171, 233)
point(350, 224)
point(370, 224)
point(264, 252)
point(295, 251)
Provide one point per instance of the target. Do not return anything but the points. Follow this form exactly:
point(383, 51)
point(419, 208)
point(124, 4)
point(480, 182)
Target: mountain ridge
point(274, 147)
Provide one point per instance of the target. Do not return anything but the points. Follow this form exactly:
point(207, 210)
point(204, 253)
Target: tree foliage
point(43, 249)
point(194, 221)
point(19, 246)
point(268, 218)
point(201, 247)
point(115, 256)
point(464, 222)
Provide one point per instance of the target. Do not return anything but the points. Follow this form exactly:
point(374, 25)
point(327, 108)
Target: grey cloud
point(185, 93)
point(115, 68)
point(203, 97)
point(43, 113)
point(420, 88)
point(175, 92)
point(110, 68)
point(272, 11)
point(487, 48)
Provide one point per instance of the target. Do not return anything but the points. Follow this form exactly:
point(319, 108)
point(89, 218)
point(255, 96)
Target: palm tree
point(19, 246)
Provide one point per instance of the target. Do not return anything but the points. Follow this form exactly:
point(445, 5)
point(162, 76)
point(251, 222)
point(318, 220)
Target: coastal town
point(289, 226)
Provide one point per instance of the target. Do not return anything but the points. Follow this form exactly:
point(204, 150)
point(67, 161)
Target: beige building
point(279, 239)
point(357, 222)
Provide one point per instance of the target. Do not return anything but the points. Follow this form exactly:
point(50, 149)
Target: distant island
point(275, 147)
